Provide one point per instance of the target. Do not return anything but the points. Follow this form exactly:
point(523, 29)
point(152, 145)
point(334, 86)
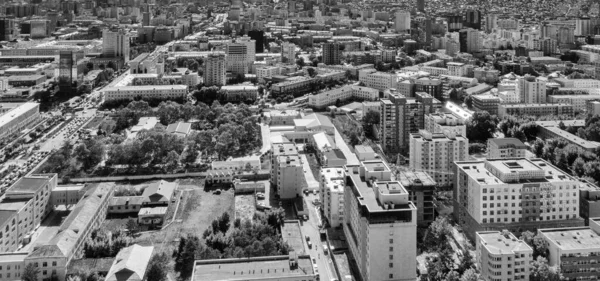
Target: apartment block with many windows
point(435, 153)
point(502, 257)
point(287, 174)
point(517, 193)
point(380, 223)
point(332, 186)
point(420, 187)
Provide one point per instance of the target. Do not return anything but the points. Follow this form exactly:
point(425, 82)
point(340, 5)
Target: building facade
point(435, 153)
point(332, 186)
point(501, 256)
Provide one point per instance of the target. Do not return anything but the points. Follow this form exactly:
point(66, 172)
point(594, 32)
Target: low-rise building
point(166, 92)
point(332, 185)
point(535, 109)
point(574, 250)
point(282, 117)
point(440, 122)
point(240, 92)
point(19, 118)
point(291, 267)
point(501, 256)
point(486, 102)
point(130, 264)
point(342, 94)
point(293, 85)
point(180, 129)
point(152, 216)
point(378, 80)
point(577, 101)
point(506, 148)
point(551, 132)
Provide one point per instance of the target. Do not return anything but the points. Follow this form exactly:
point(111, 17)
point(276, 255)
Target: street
point(311, 228)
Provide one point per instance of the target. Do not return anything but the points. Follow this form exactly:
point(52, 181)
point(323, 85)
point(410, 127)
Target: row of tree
point(74, 160)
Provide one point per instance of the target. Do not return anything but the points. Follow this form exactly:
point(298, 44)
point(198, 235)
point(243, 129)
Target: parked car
point(309, 244)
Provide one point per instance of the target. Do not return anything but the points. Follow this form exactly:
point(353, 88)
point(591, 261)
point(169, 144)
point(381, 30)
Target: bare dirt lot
point(245, 206)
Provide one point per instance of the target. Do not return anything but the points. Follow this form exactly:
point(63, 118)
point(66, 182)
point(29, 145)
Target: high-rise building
point(548, 46)
point(240, 55)
point(401, 116)
point(331, 53)
point(420, 187)
point(402, 21)
point(517, 193)
point(65, 70)
point(146, 18)
point(531, 89)
point(501, 256)
point(583, 26)
point(470, 40)
point(215, 67)
point(565, 35)
point(332, 186)
point(435, 153)
point(7, 29)
point(115, 43)
point(380, 223)
point(491, 22)
point(455, 23)
point(428, 32)
point(259, 37)
point(53, 18)
point(287, 172)
point(473, 19)
point(288, 52)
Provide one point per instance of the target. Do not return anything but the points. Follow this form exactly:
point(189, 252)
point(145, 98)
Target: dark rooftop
point(509, 142)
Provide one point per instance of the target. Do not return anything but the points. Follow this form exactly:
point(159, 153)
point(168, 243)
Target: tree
point(470, 275)
point(541, 271)
point(311, 72)
point(469, 101)
point(437, 235)
point(481, 127)
point(184, 262)
point(158, 267)
point(132, 227)
point(300, 62)
point(112, 65)
point(30, 273)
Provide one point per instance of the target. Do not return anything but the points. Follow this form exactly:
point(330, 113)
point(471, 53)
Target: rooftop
point(363, 149)
point(29, 184)
point(409, 178)
point(130, 263)
point(588, 145)
point(568, 123)
point(572, 238)
point(258, 268)
point(18, 111)
point(509, 142)
point(496, 243)
point(521, 170)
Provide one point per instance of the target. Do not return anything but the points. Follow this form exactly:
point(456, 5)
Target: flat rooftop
point(17, 111)
point(410, 178)
point(585, 144)
point(260, 268)
point(29, 184)
point(376, 165)
point(367, 196)
point(509, 142)
point(572, 238)
point(496, 243)
point(478, 170)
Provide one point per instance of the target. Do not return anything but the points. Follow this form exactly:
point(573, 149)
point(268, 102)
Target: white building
point(402, 21)
point(332, 186)
point(378, 80)
point(18, 118)
point(327, 98)
point(531, 90)
point(496, 194)
point(288, 52)
point(287, 173)
point(506, 148)
point(166, 92)
point(115, 44)
point(240, 55)
point(509, 97)
point(267, 72)
point(501, 256)
point(435, 154)
point(380, 223)
point(456, 69)
point(445, 123)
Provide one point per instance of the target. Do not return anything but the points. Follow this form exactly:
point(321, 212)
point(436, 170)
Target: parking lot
point(32, 161)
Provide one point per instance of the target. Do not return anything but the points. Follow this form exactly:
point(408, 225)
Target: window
point(53, 263)
point(391, 276)
point(44, 264)
point(45, 272)
point(391, 265)
point(391, 249)
point(391, 241)
point(391, 257)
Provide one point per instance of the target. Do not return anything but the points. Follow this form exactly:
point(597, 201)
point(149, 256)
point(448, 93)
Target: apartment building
point(589, 201)
point(166, 92)
point(420, 187)
point(577, 83)
point(240, 92)
point(214, 70)
point(518, 193)
point(332, 53)
point(380, 223)
point(536, 109)
point(456, 69)
point(435, 154)
point(54, 256)
point(579, 102)
point(486, 102)
point(440, 122)
point(288, 52)
point(267, 72)
point(240, 55)
point(378, 80)
point(26, 203)
point(401, 116)
point(115, 43)
point(531, 89)
point(575, 250)
point(342, 94)
point(332, 185)
point(18, 118)
point(287, 174)
point(293, 85)
point(553, 131)
point(501, 256)
point(506, 148)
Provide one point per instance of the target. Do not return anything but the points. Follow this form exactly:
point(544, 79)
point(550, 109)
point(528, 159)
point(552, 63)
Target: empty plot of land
point(197, 210)
point(245, 206)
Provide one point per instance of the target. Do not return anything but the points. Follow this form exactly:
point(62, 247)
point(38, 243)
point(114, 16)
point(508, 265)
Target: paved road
point(311, 229)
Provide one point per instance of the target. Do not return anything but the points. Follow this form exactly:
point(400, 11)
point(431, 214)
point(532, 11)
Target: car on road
point(306, 192)
point(309, 244)
point(314, 261)
point(260, 196)
point(315, 191)
point(307, 238)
